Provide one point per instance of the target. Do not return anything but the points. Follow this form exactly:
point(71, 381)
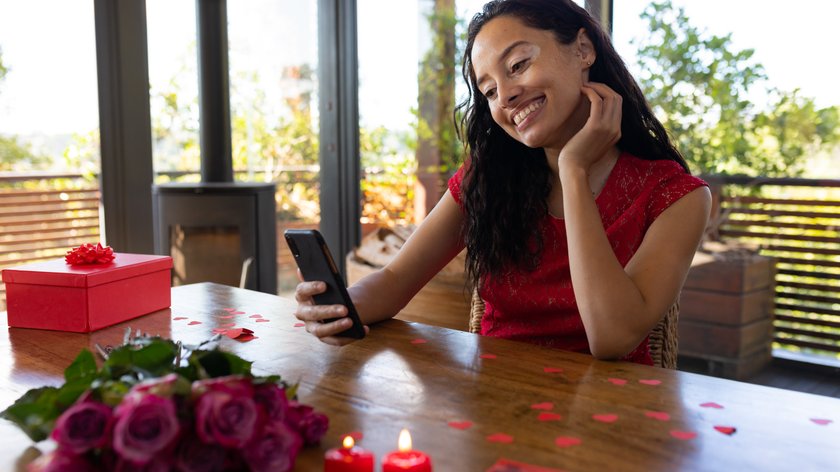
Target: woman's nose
point(508, 94)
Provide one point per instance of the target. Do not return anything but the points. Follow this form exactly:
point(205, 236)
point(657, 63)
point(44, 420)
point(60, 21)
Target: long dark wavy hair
point(506, 183)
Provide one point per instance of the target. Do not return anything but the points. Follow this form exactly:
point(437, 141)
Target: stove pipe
point(214, 91)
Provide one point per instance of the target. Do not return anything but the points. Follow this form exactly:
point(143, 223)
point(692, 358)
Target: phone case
point(315, 262)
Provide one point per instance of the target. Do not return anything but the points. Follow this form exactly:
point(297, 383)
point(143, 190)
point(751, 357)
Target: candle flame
point(404, 442)
point(348, 442)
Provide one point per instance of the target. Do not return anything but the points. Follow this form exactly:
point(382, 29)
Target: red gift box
point(83, 298)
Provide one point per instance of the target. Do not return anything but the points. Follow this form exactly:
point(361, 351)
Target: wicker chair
point(662, 339)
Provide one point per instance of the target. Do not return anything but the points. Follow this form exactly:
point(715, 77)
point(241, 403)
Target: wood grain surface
point(469, 400)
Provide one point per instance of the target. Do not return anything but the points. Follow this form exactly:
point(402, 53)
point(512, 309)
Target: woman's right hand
point(315, 315)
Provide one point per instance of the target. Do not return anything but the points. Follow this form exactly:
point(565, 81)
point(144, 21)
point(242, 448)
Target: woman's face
point(531, 81)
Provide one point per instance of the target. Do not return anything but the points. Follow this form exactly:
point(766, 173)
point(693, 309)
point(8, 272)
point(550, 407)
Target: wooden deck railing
point(797, 221)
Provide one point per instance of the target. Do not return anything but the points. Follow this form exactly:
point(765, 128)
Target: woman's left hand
point(600, 132)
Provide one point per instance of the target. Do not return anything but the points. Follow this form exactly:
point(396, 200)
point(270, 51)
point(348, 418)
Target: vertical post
point(603, 11)
point(436, 100)
point(124, 124)
point(214, 91)
point(338, 85)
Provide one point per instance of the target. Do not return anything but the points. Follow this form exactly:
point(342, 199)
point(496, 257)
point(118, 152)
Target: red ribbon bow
point(89, 254)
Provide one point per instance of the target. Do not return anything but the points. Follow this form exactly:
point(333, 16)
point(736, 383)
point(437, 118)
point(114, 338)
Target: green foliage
point(699, 85)
point(140, 359)
point(15, 155)
point(3, 69)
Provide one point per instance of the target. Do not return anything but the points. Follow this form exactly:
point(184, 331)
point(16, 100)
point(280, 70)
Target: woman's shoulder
point(655, 171)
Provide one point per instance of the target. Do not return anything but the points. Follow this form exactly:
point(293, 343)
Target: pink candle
point(348, 458)
point(405, 459)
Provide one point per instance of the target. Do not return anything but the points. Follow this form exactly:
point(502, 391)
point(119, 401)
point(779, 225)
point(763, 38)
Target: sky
point(51, 87)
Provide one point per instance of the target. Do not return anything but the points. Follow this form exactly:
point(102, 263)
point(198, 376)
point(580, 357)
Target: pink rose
point(160, 386)
point(60, 461)
point(196, 456)
point(84, 426)
point(271, 399)
point(274, 450)
point(145, 427)
point(225, 412)
point(310, 424)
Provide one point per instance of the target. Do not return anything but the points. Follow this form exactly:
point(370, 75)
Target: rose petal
point(194, 323)
point(727, 430)
point(299, 325)
point(684, 435)
point(462, 425)
point(543, 406)
point(500, 438)
point(605, 417)
point(566, 441)
point(658, 415)
point(179, 318)
point(549, 416)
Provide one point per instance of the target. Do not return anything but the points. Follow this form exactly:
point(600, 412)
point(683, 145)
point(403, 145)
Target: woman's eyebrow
point(502, 57)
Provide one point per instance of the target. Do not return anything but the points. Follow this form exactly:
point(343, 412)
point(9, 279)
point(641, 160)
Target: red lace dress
point(539, 306)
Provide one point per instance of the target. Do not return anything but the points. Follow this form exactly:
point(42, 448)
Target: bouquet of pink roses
point(156, 406)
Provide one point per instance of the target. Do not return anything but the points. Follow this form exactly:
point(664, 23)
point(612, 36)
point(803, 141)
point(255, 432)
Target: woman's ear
point(585, 50)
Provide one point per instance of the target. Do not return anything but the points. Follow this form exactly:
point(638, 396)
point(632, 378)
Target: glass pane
point(49, 130)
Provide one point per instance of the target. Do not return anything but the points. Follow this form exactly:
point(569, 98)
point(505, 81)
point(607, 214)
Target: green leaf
point(35, 412)
point(83, 367)
point(218, 364)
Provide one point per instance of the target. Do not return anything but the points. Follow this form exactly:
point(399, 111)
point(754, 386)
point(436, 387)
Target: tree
point(699, 86)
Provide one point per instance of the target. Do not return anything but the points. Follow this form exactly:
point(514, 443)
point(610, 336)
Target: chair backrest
point(662, 340)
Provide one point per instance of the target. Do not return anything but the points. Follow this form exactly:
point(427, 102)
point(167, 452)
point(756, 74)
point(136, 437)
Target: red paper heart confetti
point(650, 381)
point(605, 417)
point(727, 430)
point(229, 309)
point(462, 425)
point(487, 356)
point(255, 316)
point(566, 441)
point(240, 334)
point(500, 438)
point(711, 405)
point(262, 320)
point(507, 465)
point(227, 317)
point(194, 323)
point(179, 318)
point(299, 325)
point(227, 325)
point(418, 341)
point(543, 406)
point(237, 313)
point(619, 382)
point(246, 337)
point(658, 415)
point(821, 421)
point(219, 330)
point(549, 416)
point(552, 370)
point(684, 435)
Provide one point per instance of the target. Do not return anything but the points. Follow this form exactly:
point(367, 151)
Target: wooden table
point(431, 379)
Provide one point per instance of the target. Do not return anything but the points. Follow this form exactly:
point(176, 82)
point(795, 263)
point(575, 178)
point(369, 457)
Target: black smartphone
point(315, 262)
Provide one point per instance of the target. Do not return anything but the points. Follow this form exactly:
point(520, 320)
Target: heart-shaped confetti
point(684, 435)
point(262, 320)
point(462, 425)
point(500, 438)
point(219, 330)
point(605, 417)
point(549, 416)
point(227, 325)
point(650, 381)
point(178, 318)
point(552, 370)
point(821, 421)
point(299, 325)
point(227, 317)
point(194, 323)
point(566, 441)
point(728, 430)
point(237, 312)
point(658, 415)
point(234, 333)
point(487, 356)
point(418, 341)
point(255, 316)
point(246, 337)
point(614, 381)
point(229, 309)
point(543, 406)
point(711, 405)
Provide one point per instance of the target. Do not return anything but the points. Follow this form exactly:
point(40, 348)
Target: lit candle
point(406, 460)
point(348, 458)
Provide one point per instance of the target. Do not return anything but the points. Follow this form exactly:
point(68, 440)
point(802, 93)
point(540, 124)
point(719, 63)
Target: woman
point(579, 216)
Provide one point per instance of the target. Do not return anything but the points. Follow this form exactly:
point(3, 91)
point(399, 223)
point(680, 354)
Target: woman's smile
point(519, 117)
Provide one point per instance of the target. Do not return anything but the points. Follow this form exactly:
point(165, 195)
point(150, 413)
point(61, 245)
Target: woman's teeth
point(527, 111)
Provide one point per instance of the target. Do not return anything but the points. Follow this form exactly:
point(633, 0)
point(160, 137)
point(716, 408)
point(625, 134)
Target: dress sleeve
point(673, 184)
point(454, 185)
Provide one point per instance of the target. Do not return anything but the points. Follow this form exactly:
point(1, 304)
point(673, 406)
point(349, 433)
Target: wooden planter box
point(444, 301)
point(726, 312)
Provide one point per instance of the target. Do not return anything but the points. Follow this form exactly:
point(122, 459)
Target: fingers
point(605, 110)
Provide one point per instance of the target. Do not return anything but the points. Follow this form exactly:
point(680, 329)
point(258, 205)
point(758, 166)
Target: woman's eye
point(490, 93)
point(518, 66)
